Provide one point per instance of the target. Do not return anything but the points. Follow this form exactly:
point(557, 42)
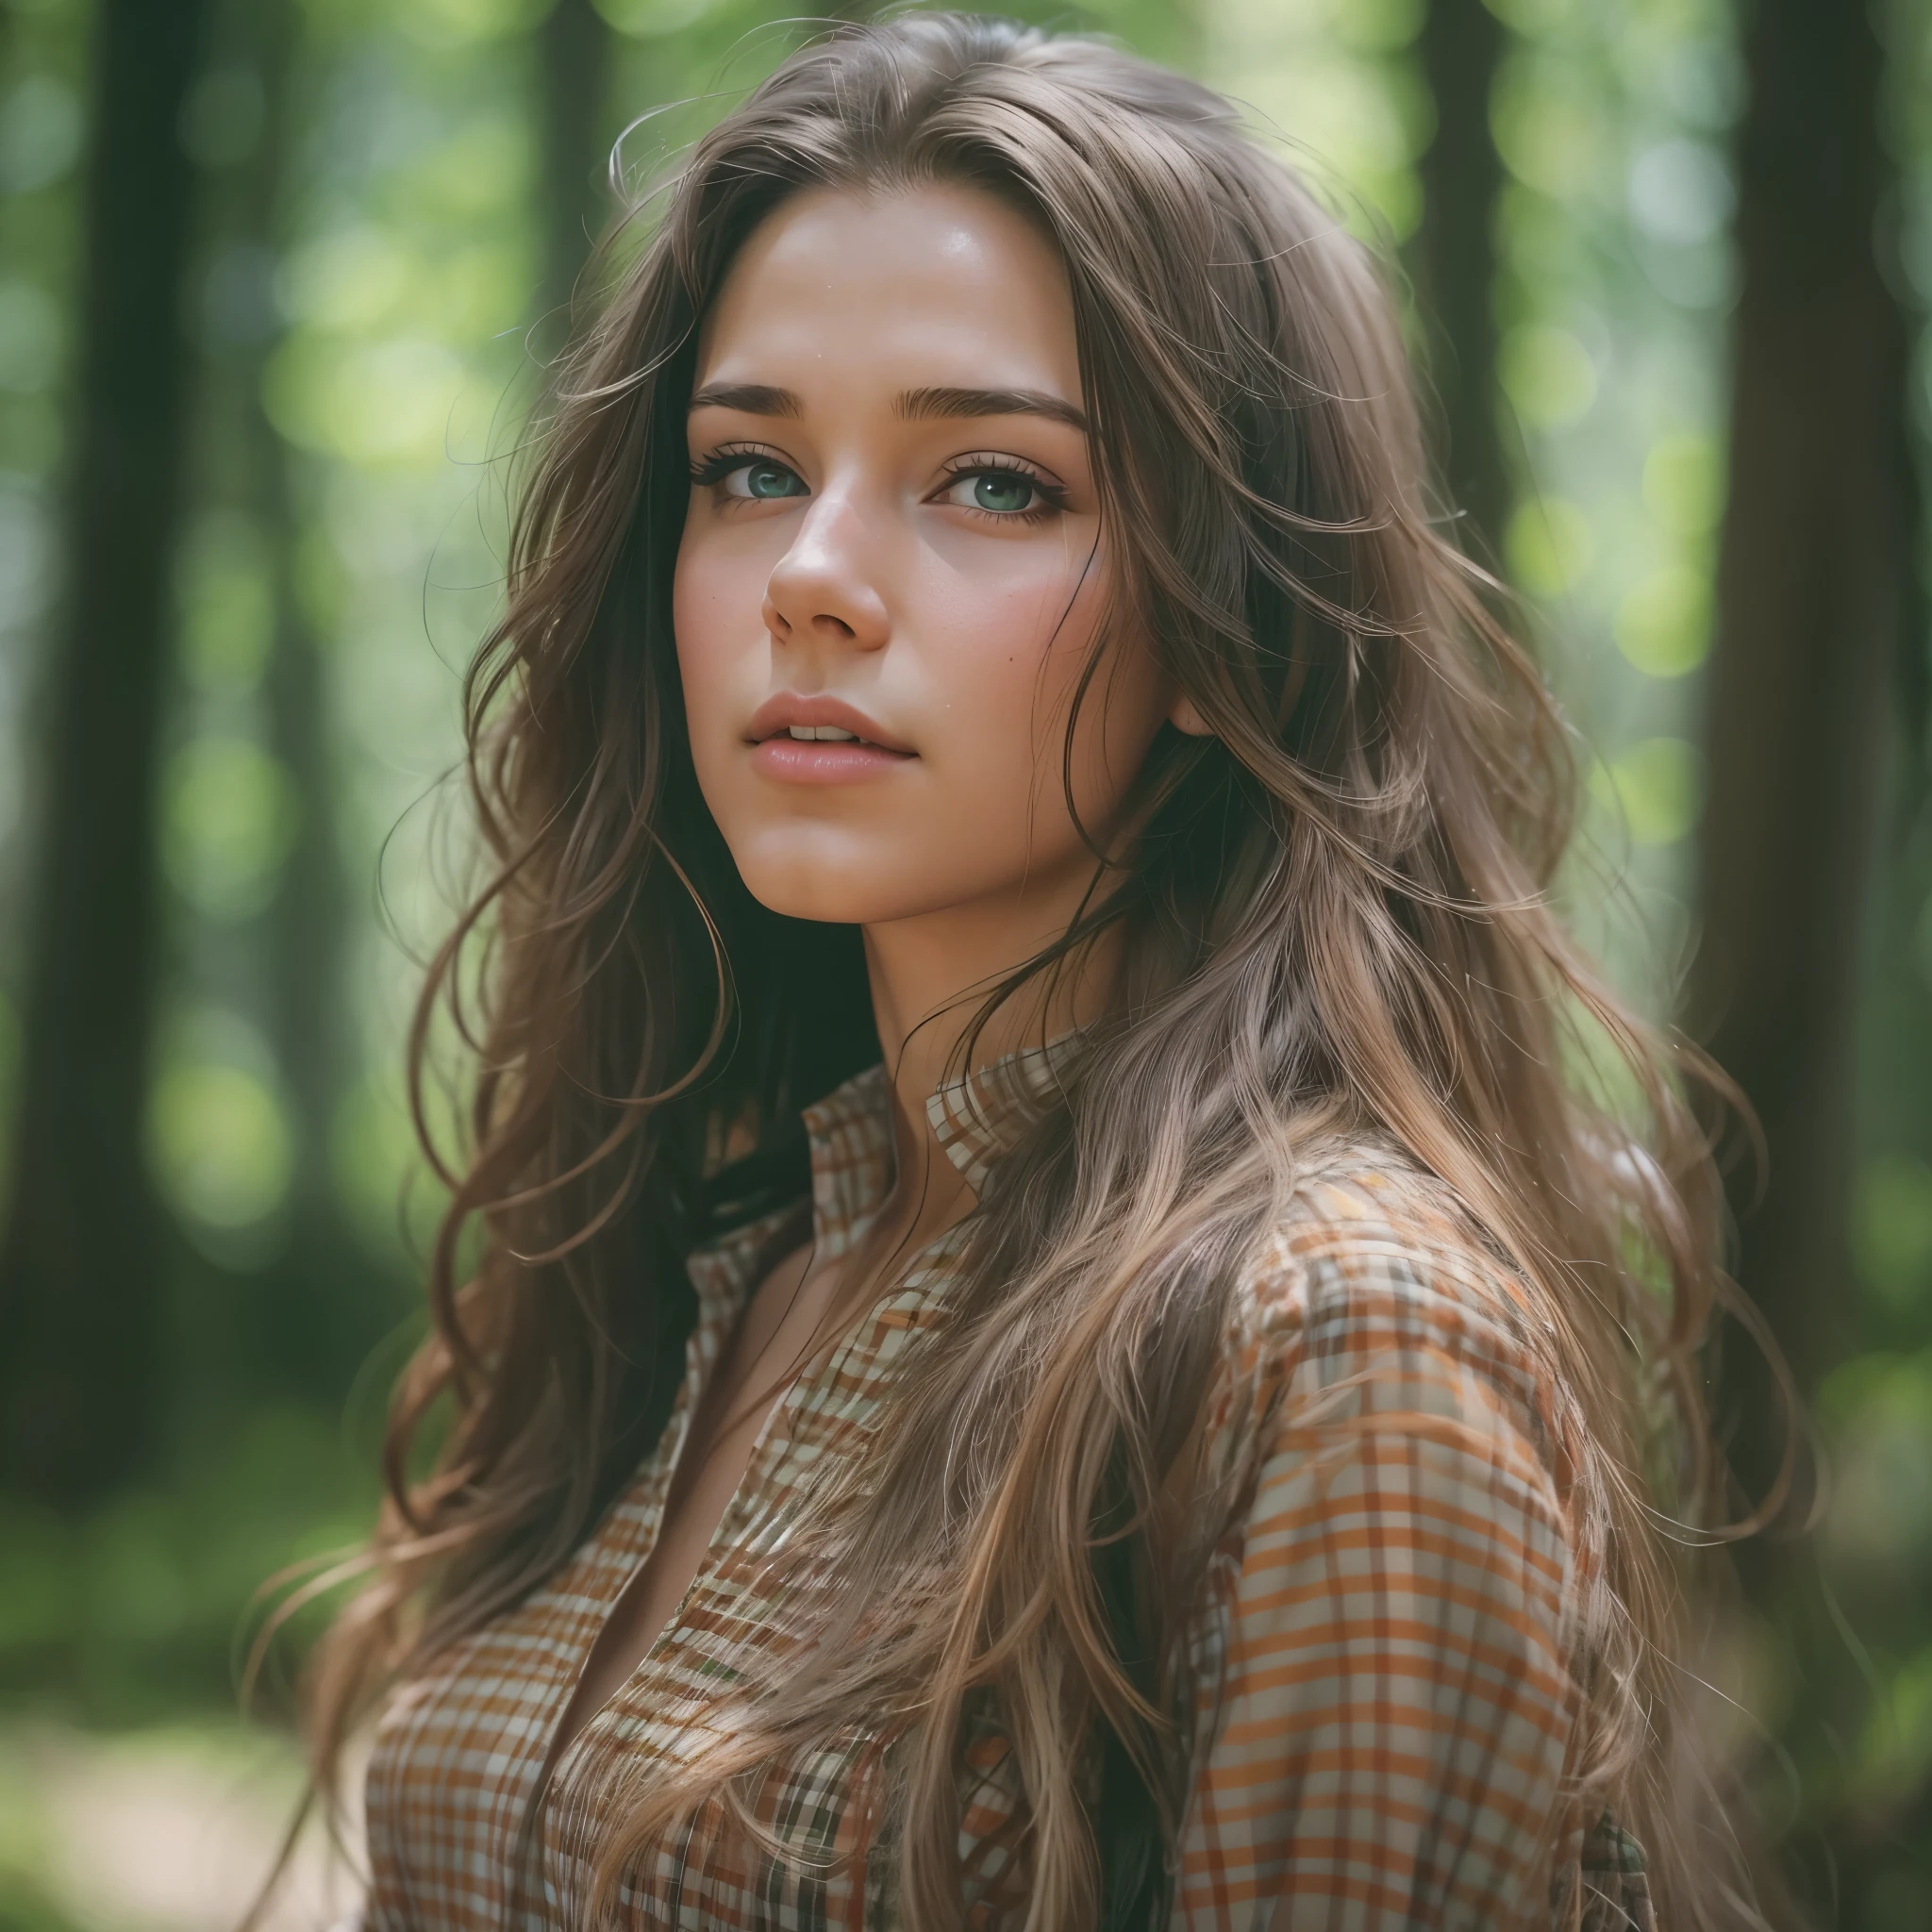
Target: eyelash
point(1053, 496)
point(732, 457)
point(729, 457)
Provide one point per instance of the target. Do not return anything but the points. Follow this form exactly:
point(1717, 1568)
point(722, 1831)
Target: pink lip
point(818, 762)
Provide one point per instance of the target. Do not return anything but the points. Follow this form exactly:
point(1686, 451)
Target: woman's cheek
point(704, 620)
point(1014, 677)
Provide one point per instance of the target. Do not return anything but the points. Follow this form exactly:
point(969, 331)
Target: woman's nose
point(824, 587)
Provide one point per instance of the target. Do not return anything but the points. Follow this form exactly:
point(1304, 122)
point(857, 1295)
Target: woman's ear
point(1182, 715)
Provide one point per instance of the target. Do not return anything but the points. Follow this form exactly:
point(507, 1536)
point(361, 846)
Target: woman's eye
point(1003, 492)
point(764, 481)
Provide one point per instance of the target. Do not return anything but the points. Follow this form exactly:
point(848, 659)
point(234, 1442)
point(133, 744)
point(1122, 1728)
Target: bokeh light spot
point(1683, 483)
point(1892, 1228)
point(1656, 785)
point(1549, 545)
point(1547, 373)
point(231, 814)
point(1663, 624)
point(219, 1131)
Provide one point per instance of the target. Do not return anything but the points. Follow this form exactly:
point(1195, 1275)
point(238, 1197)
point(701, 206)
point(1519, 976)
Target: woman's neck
point(930, 976)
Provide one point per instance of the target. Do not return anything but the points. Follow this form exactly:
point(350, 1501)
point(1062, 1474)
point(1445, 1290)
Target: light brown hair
point(1334, 921)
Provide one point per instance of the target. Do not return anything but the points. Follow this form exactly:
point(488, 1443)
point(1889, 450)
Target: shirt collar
point(980, 1116)
point(976, 1118)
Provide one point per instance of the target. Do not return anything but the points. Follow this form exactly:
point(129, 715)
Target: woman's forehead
point(922, 287)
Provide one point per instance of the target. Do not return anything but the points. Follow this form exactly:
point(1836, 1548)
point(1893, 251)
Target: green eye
point(1003, 490)
point(764, 481)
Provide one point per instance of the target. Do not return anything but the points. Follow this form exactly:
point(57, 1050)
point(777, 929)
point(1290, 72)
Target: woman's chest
point(464, 1830)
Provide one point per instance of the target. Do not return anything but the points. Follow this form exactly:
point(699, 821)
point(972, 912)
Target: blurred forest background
point(277, 279)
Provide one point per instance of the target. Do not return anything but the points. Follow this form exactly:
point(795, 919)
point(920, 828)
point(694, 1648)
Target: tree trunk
point(1460, 45)
point(307, 916)
point(79, 1274)
point(573, 57)
point(328, 1305)
point(1816, 605)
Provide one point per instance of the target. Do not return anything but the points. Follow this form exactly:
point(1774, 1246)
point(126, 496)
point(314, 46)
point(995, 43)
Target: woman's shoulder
point(1378, 1271)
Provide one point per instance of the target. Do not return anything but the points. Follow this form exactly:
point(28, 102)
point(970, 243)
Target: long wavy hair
point(1333, 920)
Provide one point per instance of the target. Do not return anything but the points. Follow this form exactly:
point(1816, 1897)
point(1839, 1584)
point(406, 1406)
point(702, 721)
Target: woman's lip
point(775, 718)
point(823, 760)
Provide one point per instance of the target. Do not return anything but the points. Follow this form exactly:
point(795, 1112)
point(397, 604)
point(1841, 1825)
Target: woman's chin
point(853, 886)
point(848, 891)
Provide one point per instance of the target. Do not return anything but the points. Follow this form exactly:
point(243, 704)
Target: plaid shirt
point(1386, 1707)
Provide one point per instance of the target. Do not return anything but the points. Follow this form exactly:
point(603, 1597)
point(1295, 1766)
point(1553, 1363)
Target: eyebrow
point(749, 399)
point(916, 404)
point(928, 404)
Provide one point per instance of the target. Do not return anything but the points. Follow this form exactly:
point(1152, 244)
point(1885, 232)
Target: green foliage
point(375, 317)
point(1891, 1230)
point(140, 1609)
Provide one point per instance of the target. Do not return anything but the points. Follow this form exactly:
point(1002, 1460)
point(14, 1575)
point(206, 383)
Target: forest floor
point(167, 1829)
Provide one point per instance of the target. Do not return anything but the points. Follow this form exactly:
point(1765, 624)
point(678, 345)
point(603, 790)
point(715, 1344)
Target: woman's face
point(892, 568)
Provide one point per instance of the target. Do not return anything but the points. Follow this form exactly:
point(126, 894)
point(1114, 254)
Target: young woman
point(1084, 1315)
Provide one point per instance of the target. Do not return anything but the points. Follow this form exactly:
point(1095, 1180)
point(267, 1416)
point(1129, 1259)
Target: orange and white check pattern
point(1386, 1704)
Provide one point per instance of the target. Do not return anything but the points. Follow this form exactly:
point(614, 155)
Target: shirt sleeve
point(1387, 1732)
